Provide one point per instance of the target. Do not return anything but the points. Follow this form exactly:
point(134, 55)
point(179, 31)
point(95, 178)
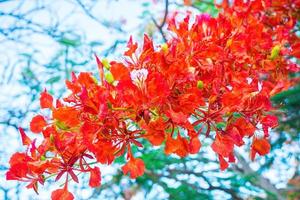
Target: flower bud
point(200, 84)
point(109, 77)
point(275, 52)
point(105, 63)
point(165, 48)
point(43, 158)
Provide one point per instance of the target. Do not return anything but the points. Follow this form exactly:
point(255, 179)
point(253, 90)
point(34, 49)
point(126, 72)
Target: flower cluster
point(214, 76)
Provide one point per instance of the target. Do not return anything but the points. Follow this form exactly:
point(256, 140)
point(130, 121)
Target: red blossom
point(62, 194)
point(260, 146)
point(131, 47)
point(135, 166)
point(25, 139)
point(46, 100)
point(37, 124)
point(95, 178)
point(216, 75)
point(194, 145)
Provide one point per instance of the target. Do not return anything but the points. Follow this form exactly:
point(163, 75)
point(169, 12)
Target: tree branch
point(261, 182)
point(160, 26)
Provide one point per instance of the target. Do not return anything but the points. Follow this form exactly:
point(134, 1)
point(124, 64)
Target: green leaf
point(28, 72)
point(120, 160)
point(236, 115)
point(69, 42)
point(221, 125)
point(145, 4)
point(52, 80)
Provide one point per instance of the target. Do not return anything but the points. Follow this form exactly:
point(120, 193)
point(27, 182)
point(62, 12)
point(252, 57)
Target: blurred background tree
point(42, 41)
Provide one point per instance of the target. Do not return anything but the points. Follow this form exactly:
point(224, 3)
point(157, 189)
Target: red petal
point(119, 71)
point(155, 132)
point(37, 124)
point(194, 145)
point(25, 139)
point(179, 146)
point(244, 127)
point(155, 137)
point(74, 176)
point(157, 87)
point(171, 145)
point(235, 135)
point(231, 158)
point(270, 121)
point(222, 145)
point(252, 154)
point(100, 68)
point(67, 115)
point(187, 2)
point(183, 149)
point(261, 146)
point(62, 194)
point(95, 178)
point(46, 100)
point(17, 172)
point(296, 50)
point(135, 166)
point(223, 163)
point(177, 117)
point(132, 47)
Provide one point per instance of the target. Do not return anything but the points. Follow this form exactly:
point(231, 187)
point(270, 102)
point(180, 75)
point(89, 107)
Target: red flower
point(95, 178)
point(155, 132)
point(194, 145)
point(37, 124)
point(223, 145)
point(25, 139)
point(18, 167)
point(216, 74)
point(260, 146)
point(68, 116)
point(223, 163)
point(179, 146)
point(269, 121)
point(62, 194)
point(296, 50)
point(119, 71)
point(131, 47)
point(135, 166)
point(46, 100)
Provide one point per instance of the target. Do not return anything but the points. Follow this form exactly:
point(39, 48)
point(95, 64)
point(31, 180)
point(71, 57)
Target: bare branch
point(160, 26)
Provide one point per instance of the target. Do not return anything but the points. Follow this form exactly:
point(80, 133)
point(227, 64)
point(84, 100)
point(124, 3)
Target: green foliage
point(53, 79)
point(289, 102)
point(206, 6)
point(186, 192)
point(69, 42)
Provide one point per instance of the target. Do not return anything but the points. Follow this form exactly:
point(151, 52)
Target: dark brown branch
point(166, 14)
point(160, 26)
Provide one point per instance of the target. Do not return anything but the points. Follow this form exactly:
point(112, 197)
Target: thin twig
point(160, 26)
